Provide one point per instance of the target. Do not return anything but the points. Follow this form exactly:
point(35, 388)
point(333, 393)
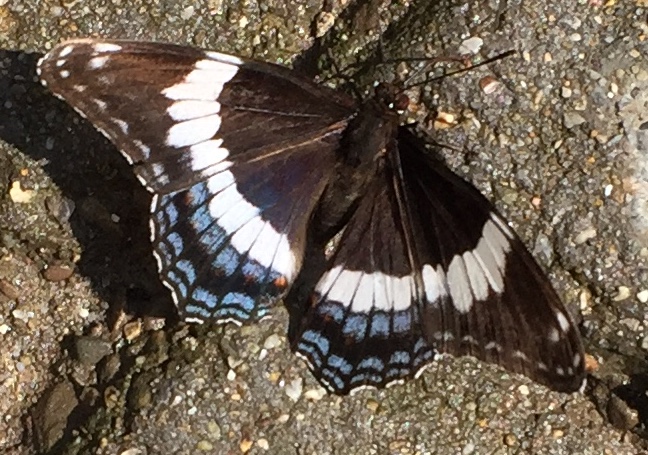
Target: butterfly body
point(248, 162)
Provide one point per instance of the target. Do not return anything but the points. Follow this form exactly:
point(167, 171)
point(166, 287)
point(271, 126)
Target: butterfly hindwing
point(363, 326)
point(227, 258)
point(236, 153)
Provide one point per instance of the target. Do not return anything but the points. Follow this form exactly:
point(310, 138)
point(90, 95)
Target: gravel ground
point(92, 357)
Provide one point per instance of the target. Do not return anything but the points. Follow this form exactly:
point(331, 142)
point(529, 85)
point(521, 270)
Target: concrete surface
point(92, 359)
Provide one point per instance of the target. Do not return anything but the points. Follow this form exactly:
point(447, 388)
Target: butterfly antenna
point(462, 70)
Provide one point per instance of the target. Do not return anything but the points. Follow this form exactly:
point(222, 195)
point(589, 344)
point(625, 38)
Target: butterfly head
point(392, 97)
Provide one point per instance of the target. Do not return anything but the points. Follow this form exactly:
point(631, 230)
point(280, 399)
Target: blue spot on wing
point(331, 310)
point(177, 244)
point(227, 260)
point(402, 321)
point(236, 299)
point(187, 268)
point(371, 363)
point(355, 326)
point(400, 357)
point(380, 325)
point(340, 364)
point(207, 298)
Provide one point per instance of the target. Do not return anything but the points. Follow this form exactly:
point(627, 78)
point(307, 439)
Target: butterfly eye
point(401, 102)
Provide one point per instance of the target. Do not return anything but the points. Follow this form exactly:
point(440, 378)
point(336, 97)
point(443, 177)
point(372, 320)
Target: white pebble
point(294, 389)
point(643, 296)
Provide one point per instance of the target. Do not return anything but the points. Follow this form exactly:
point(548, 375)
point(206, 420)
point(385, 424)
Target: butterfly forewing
point(236, 153)
point(484, 295)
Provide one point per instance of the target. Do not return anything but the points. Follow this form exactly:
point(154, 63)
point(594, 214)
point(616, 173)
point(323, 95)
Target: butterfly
point(246, 160)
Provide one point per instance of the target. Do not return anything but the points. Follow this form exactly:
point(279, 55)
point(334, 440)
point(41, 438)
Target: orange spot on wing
point(281, 282)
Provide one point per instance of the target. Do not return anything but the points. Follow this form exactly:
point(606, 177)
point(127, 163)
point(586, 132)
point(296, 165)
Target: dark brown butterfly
point(245, 159)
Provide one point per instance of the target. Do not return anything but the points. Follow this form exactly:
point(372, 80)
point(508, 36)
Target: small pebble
point(471, 45)
point(187, 13)
point(214, 429)
point(631, 323)
point(9, 290)
point(373, 405)
point(61, 208)
point(585, 235)
point(90, 350)
point(572, 119)
point(272, 341)
point(205, 446)
point(510, 439)
point(131, 451)
point(323, 22)
point(22, 315)
point(444, 120)
point(263, 443)
point(585, 300)
point(18, 195)
point(274, 377)
point(294, 389)
point(489, 85)
point(644, 342)
point(591, 364)
point(468, 449)
point(642, 296)
point(132, 330)
point(623, 292)
point(315, 394)
point(245, 445)
point(57, 272)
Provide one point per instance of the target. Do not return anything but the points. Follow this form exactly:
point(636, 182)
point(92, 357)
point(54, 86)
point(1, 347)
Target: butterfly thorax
point(367, 141)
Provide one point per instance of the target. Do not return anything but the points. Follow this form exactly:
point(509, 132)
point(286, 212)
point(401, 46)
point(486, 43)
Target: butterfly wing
point(235, 152)
point(363, 326)
point(425, 265)
point(485, 295)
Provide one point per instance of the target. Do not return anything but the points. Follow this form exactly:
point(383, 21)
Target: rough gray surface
point(561, 149)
